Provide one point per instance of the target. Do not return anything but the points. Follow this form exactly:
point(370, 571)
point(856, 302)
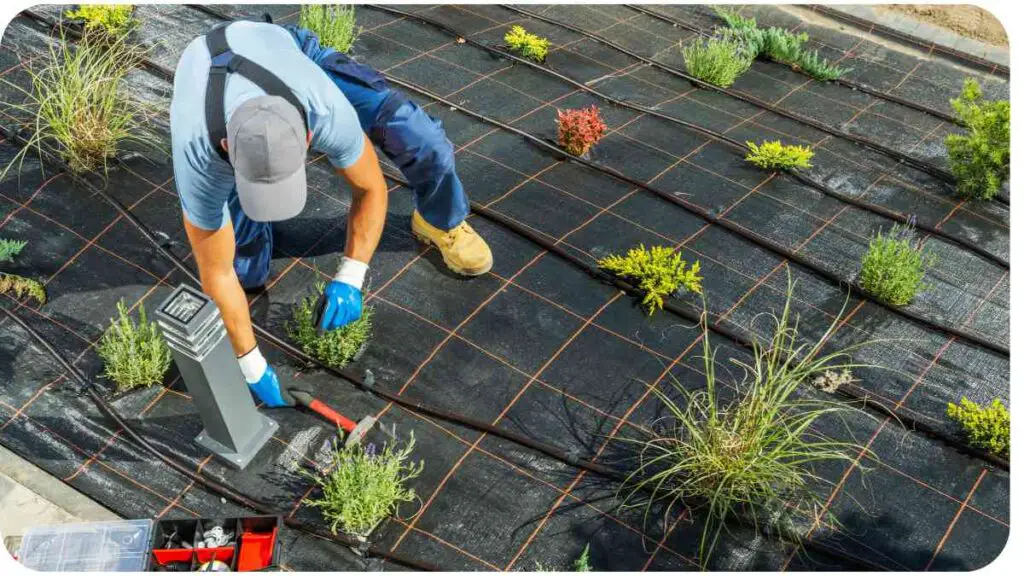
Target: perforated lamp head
point(267, 147)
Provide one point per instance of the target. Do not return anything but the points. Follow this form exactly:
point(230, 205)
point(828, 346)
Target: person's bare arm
point(369, 204)
point(215, 253)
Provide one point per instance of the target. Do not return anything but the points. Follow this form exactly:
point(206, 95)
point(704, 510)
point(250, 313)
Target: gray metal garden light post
point(232, 427)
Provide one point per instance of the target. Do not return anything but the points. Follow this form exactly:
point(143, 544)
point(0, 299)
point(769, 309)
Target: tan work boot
point(463, 250)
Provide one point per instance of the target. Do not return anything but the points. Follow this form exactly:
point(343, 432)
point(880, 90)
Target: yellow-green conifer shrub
point(986, 427)
point(659, 272)
point(774, 155)
point(526, 44)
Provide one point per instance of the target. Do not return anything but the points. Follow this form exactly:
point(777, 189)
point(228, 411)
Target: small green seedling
point(13, 284)
point(582, 564)
point(659, 272)
point(528, 45)
point(334, 348)
point(987, 427)
point(334, 24)
point(894, 266)
point(980, 159)
point(752, 456)
point(364, 486)
point(10, 248)
point(717, 60)
point(774, 155)
point(109, 20)
point(134, 354)
point(79, 107)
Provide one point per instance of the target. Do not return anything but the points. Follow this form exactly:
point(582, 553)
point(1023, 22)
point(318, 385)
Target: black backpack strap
point(222, 62)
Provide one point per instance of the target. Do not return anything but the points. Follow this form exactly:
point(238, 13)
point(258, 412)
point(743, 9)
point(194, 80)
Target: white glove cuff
point(253, 365)
point(352, 272)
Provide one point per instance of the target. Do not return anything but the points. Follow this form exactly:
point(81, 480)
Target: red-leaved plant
point(578, 130)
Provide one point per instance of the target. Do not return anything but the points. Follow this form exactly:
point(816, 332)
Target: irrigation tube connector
point(93, 391)
point(781, 251)
point(366, 383)
point(841, 81)
point(740, 146)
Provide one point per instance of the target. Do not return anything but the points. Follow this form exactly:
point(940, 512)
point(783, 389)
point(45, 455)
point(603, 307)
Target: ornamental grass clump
point(894, 266)
point(987, 427)
point(528, 45)
point(13, 284)
point(334, 24)
point(773, 155)
point(334, 348)
point(659, 272)
point(717, 60)
point(752, 457)
point(79, 107)
point(980, 159)
point(364, 486)
point(134, 353)
point(580, 129)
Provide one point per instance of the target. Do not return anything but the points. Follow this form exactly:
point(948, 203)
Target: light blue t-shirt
point(204, 180)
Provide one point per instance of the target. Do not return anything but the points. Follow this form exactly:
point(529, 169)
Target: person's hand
point(342, 300)
point(339, 305)
point(268, 390)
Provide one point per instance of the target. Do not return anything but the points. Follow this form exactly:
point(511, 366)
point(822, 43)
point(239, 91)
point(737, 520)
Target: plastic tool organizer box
point(121, 546)
point(254, 545)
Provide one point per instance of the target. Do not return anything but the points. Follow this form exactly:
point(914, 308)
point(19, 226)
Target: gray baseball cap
point(267, 147)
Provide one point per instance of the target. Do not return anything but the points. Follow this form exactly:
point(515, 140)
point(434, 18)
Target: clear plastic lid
point(121, 546)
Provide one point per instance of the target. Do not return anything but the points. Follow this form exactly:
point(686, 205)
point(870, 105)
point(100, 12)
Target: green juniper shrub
point(782, 45)
point(773, 155)
point(13, 284)
point(987, 427)
point(334, 348)
point(659, 272)
point(334, 24)
point(78, 105)
point(717, 60)
point(134, 353)
point(364, 485)
point(980, 159)
point(107, 20)
point(528, 45)
point(754, 455)
point(894, 266)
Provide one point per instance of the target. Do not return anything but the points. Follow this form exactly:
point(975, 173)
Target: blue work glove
point(339, 305)
point(268, 390)
point(262, 380)
point(342, 300)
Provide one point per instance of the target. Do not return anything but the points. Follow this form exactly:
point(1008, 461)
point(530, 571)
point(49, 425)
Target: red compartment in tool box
point(253, 544)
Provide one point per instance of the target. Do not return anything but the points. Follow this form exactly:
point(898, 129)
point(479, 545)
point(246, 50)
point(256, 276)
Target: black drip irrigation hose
point(976, 62)
point(672, 306)
point(365, 384)
point(841, 81)
point(796, 175)
point(92, 390)
point(926, 167)
point(710, 218)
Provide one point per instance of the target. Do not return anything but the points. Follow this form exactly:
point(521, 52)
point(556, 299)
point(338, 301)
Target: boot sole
point(460, 271)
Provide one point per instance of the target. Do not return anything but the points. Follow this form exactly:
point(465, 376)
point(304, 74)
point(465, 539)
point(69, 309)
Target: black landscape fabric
point(537, 346)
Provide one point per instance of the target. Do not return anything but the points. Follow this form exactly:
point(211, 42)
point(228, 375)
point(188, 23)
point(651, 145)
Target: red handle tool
point(307, 400)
